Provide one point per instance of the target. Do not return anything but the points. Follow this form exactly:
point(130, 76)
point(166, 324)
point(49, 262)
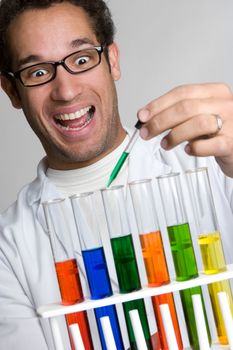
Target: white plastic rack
point(51, 311)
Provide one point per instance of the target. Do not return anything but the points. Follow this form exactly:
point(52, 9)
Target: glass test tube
point(181, 248)
point(66, 265)
point(124, 258)
point(95, 262)
point(153, 254)
point(209, 240)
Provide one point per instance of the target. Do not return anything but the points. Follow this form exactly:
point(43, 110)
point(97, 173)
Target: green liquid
point(182, 252)
point(186, 268)
point(128, 279)
point(140, 306)
point(125, 262)
point(117, 168)
point(186, 299)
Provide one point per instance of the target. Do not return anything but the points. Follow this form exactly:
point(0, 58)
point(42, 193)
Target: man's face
point(49, 35)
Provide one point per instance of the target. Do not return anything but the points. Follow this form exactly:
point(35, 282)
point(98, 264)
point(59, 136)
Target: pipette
point(125, 153)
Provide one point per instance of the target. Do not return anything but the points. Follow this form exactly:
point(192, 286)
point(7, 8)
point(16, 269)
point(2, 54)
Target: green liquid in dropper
point(117, 168)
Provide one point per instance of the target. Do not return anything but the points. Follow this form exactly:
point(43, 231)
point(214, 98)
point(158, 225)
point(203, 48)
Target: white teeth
point(75, 115)
point(79, 128)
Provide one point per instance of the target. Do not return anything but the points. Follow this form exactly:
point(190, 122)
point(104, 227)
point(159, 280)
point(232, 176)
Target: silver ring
point(219, 123)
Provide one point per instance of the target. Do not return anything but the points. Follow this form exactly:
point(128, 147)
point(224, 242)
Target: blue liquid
point(109, 311)
point(100, 287)
point(97, 273)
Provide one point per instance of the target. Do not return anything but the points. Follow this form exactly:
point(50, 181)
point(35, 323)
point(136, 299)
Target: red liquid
point(157, 274)
point(71, 293)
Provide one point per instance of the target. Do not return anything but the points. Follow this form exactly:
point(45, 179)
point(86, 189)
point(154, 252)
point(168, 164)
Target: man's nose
point(65, 86)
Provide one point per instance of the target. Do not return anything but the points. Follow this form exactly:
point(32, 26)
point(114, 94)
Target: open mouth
point(75, 121)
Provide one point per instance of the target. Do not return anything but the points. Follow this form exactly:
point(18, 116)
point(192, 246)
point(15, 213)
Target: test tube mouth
point(136, 182)
point(112, 188)
point(53, 201)
point(168, 175)
point(195, 170)
point(80, 195)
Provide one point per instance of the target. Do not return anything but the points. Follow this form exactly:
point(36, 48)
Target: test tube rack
point(52, 311)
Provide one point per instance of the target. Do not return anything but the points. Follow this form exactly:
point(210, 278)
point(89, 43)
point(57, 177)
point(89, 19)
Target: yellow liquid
point(214, 288)
point(214, 262)
point(212, 253)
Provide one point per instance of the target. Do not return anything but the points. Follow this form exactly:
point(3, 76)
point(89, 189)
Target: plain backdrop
point(163, 43)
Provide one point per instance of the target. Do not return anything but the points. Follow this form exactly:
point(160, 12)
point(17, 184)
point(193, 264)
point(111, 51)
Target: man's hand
point(189, 113)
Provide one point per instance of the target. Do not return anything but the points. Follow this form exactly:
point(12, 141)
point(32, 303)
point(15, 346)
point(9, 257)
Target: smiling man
point(71, 102)
point(59, 63)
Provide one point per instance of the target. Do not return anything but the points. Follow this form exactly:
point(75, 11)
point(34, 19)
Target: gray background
point(163, 43)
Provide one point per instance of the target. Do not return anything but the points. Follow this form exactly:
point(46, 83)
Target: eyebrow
point(36, 58)
point(79, 42)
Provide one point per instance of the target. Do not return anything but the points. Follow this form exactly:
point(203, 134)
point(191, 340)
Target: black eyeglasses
point(75, 63)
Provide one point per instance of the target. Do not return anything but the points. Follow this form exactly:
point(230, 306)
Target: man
point(59, 63)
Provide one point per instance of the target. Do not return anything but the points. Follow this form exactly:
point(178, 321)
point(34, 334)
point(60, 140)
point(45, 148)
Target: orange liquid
point(154, 259)
point(69, 282)
point(71, 293)
point(157, 274)
point(166, 299)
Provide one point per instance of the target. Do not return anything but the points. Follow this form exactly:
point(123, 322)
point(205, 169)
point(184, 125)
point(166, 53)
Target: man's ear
point(10, 89)
point(114, 60)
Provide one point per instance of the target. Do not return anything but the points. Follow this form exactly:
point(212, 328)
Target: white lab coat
point(27, 274)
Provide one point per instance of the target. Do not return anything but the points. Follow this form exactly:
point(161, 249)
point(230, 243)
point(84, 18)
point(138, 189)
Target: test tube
point(181, 248)
point(66, 265)
point(227, 316)
point(124, 258)
point(95, 262)
point(209, 240)
point(153, 254)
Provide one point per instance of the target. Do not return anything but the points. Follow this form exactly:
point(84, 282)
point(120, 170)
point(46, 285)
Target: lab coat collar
point(144, 161)
point(42, 189)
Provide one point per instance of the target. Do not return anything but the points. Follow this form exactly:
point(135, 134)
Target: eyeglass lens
point(75, 63)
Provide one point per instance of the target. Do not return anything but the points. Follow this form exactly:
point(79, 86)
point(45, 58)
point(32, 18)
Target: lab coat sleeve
point(19, 327)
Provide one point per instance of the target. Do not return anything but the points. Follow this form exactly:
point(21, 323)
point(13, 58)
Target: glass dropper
point(125, 153)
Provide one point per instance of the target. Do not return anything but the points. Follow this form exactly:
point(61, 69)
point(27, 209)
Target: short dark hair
point(97, 10)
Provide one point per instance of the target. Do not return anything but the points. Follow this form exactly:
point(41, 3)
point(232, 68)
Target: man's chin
point(75, 160)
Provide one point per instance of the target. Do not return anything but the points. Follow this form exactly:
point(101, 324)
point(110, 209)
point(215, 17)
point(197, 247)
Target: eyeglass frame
point(55, 64)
